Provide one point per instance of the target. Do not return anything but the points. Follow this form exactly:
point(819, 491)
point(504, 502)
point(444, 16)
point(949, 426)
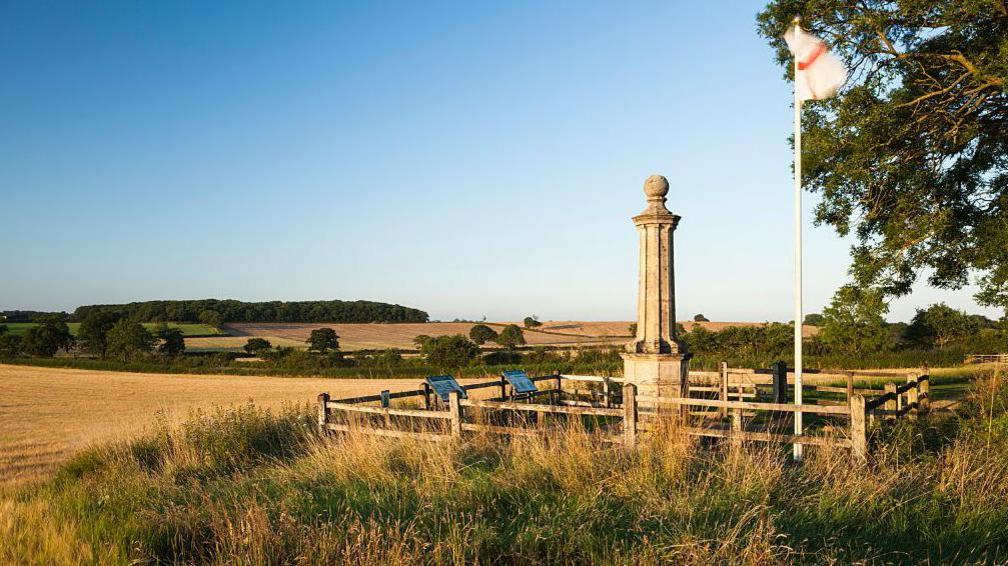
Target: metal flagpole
point(798, 253)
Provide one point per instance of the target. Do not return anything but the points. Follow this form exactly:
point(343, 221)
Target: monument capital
point(656, 188)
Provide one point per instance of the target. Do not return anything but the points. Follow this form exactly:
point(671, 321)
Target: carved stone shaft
point(655, 360)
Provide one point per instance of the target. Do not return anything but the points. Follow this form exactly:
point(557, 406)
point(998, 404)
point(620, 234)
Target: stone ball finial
point(656, 186)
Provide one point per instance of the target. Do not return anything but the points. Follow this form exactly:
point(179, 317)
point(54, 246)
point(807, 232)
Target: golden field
point(375, 336)
point(48, 414)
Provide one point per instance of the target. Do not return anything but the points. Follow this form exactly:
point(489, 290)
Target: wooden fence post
point(723, 411)
point(736, 425)
point(924, 395)
point(323, 411)
point(859, 428)
point(629, 415)
point(850, 387)
point(913, 394)
point(456, 413)
point(606, 392)
point(503, 388)
point(891, 405)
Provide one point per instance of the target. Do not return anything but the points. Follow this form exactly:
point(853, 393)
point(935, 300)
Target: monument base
point(657, 375)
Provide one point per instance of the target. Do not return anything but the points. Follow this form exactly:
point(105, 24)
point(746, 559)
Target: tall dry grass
point(247, 486)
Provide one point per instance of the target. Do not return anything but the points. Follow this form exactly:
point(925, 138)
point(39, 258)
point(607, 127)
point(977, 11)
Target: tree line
point(102, 335)
point(216, 312)
point(853, 327)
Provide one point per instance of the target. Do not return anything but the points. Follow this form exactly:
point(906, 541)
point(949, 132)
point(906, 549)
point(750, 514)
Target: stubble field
point(400, 336)
point(47, 414)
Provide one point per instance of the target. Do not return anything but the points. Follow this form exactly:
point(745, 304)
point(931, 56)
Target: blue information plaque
point(520, 382)
point(443, 385)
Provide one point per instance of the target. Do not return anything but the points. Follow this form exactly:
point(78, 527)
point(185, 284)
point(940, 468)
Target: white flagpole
point(798, 253)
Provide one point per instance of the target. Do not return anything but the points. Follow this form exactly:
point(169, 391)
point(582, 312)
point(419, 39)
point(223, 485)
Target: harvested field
point(380, 336)
point(47, 415)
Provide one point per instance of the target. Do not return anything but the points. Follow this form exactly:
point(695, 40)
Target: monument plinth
point(655, 360)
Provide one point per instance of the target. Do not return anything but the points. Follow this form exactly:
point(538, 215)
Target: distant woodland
point(240, 311)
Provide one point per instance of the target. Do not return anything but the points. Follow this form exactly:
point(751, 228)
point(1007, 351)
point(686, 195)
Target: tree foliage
point(449, 352)
point(129, 340)
point(481, 333)
point(10, 345)
point(700, 318)
point(813, 319)
point(940, 325)
point(256, 345)
point(854, 323)
point(50, 336)
point(511, 336)
point(271, 311)
point(93, 332)
point(912, 158)
point(323, 340)
point(211, 318)
point(172, 341)
point(532, 322)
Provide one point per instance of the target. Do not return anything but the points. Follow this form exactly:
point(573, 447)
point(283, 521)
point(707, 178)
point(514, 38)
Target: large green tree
point(511, 336)
point(939, 325)
point(93, 332)
point(49, 336)
point(322, 340)
point(481, 334)
point(129, 340)
point(912, 157)
point(853, 322)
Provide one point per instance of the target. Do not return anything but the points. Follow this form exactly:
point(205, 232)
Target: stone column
point(656, 361)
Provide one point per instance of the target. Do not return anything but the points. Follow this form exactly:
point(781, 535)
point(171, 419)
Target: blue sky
point(471, 159)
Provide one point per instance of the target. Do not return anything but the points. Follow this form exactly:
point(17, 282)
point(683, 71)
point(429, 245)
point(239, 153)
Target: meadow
point(247, 485)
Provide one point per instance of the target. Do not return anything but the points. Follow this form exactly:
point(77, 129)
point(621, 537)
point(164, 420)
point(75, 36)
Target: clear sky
point(470, 159)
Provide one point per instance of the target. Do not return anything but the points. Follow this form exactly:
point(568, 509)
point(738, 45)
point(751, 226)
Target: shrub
point(449, 352)
point(502, 358)
point(256, 345)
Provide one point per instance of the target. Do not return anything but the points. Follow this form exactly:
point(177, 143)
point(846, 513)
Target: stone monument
point(656, 361)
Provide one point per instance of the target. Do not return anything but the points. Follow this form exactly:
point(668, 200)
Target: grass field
point(188, 329)
point(249, 486)
point(47, 415)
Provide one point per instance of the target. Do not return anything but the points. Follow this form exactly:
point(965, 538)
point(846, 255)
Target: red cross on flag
point(818, 73)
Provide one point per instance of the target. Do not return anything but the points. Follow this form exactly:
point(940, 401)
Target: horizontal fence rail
point(737, 397)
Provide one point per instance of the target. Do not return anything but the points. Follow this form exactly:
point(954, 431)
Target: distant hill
point(270, 311)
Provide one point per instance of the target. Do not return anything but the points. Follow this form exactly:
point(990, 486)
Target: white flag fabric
point(820, 73)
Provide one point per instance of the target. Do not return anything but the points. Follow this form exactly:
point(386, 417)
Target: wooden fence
point(987, 359)
point(727, 409)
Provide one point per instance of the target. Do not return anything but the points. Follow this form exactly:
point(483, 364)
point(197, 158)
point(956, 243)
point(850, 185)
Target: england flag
point(818, 73)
